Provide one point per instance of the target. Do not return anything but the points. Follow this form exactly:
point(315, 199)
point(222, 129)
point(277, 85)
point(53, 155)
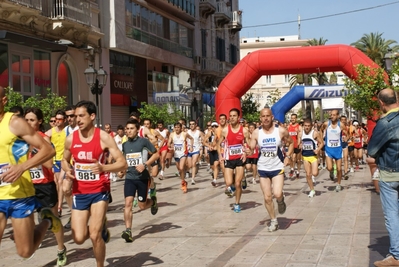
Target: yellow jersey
point(58, 140)
point(14, 150)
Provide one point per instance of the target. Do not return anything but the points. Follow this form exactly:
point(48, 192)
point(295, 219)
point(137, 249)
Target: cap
point(215, 124)
point(242, 120)
point(355, 123)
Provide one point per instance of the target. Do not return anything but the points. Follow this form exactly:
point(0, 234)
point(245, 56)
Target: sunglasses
point(214, 126)
point(192, 123)
point(52, 120)
point(59, 119)
point(71, 116)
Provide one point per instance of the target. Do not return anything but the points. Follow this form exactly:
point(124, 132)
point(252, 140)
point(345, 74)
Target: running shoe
point(208, 167)
point(244, 183)
point(105, 234)
point(351, 170)
point(297, 174)
point(273, 226)
point(291, 173)
point(313, 179)
point(187, 175)
point(346, 176)
point(127, 235)
point(160, 177)
point(312, 193)
point(319, 167)
point(228, 192)
point(177, 174)
point(135, 202)
point(61, 257)
point(357, 168)
point(253, 180)
point(192, 182)
point(338, 188)
point(237, 208)
point(55, 222)
point(154, 206)
point(324, 166)
point(213, 182)
point(59, 212)
point(184, 186)
point(281, 206)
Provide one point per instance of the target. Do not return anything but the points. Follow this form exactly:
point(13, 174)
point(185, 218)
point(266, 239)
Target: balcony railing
point(223, 9)
point(35, 4)
point(211, 65)
point(74, 10)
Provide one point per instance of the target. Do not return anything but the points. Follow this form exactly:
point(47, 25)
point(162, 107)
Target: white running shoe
point(253, 180)
point(313, 179)
point(312, 193)
point(351, 170)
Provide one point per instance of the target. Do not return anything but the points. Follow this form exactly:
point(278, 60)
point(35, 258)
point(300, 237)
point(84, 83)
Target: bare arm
point(320, 142)
point(187, 136)
point(66, 159)
point(288, 142)
point(21, 128)
point(220, 139)
point(107, 142)
point(150, 136)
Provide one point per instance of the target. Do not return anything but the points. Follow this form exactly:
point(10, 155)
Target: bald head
point(387, 96)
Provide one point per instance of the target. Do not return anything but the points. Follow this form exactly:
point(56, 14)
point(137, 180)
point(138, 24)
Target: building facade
point(147, 47)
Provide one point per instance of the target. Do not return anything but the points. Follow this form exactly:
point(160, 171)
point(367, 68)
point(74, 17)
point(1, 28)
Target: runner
point(212, 151)
point(136, 150)
point(271, 162)
point(108, 129)
point(155, 166)
point(235, 136)
point(359, 138)
point(163, 148)
point(222, 125)
point(344, 144)
point(333, 148)
point(252, 160)
point(89, 176)
point(311, 143)
point(178, 143)
point(17, 204)
point(193, 156)
point(57, 137)
point(294, 129)
point(43, 180)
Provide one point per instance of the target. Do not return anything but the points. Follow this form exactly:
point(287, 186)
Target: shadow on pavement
point(74, 255)
point(156, 228)
point(283, 222)
point(140, 259)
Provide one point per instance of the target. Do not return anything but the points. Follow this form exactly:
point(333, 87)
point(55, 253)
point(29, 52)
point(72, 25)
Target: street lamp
point(96, 80)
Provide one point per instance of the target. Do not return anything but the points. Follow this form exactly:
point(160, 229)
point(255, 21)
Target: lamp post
point(96, 80)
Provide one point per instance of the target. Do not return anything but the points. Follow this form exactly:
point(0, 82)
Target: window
point(3, 65)
point(268, 79)
point(220, 49)
point(287, 79)
point(233, 54)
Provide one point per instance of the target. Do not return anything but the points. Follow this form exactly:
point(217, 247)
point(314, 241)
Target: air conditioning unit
point(197, 60)
point(167, 68)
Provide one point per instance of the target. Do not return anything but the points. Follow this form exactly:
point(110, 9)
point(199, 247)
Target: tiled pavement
point(200, 229)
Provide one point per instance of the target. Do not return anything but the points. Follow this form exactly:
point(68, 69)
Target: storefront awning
point(31, 41)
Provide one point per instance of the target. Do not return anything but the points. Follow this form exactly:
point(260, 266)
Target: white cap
point(215, 124)
point(355, 123)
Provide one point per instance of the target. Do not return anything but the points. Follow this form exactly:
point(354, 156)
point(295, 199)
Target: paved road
point(200, 228)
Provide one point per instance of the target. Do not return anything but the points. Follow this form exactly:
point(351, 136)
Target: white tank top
point(270, 148)
point(163, 133)
point(196, 136)
point(333, 136)
point(179, 145)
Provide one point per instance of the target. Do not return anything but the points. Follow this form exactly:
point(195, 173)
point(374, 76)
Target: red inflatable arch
point(311, 59)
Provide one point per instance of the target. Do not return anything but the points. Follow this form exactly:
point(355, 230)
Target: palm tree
point(375, 47)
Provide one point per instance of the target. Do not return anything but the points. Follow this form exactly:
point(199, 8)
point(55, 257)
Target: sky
point(337, 29)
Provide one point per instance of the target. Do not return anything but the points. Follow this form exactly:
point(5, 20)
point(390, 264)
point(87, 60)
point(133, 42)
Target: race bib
point(2, 171)
point(307, 145)
point(333, 143)
point(293, 133)
point(357, 140)
point(134, 159)
point(235, 150)
point(268, 151)
point(178, 147)
point(83, 173)
point(37, 173)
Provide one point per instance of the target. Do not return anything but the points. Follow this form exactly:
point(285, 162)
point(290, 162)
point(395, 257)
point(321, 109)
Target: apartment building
point(147, 47)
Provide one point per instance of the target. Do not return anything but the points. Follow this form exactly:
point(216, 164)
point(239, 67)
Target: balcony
point(236, 25)
point(182, 9)
point(211, 66)
point(207, 7)
point(74, 20)
point(223, 14)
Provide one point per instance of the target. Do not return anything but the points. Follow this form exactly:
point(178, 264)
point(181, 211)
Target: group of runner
point(86, 159)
